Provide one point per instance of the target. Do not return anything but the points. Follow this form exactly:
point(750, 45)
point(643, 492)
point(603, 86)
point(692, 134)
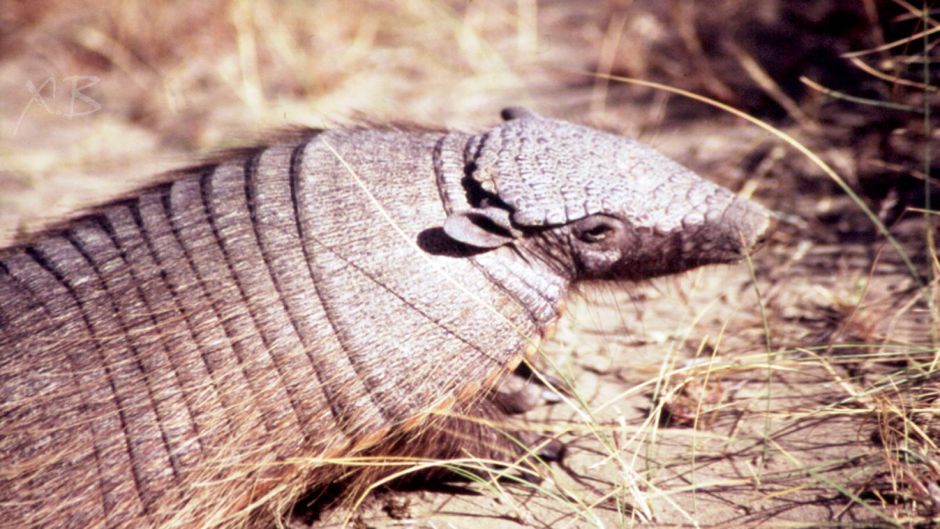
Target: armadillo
point(199, 353)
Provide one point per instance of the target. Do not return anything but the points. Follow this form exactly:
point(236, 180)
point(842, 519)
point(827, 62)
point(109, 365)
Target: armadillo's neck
point(529, 281)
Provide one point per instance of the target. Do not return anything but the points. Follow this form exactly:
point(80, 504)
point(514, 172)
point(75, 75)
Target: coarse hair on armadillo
point(237, 469)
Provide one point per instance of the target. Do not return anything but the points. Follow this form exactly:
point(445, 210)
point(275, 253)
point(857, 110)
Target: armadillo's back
point(163, 358)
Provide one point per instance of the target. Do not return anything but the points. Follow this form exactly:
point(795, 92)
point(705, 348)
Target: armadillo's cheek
point(706, 251)
point(699, 245)
point(644, 254)
point(599, 263)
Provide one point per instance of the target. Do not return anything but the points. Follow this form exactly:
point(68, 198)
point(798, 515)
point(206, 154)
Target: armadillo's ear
point(511, 113)
point(487, 227)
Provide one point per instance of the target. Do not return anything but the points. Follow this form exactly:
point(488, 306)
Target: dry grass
point(800, 392)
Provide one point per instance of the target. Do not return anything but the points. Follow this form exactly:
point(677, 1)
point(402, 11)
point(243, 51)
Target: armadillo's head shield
point(620, 208)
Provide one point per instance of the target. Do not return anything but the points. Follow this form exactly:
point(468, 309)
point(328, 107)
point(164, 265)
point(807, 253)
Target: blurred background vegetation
point(100, 95)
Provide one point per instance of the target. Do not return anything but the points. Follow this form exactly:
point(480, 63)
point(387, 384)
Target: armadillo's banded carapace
point(254, 310)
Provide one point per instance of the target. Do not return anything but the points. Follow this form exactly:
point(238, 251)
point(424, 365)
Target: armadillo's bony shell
point(169, 358)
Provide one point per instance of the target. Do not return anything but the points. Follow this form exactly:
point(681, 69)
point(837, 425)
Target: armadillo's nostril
point(761, 240)
point(775, 220)
point(752, 222)
point(764, 226)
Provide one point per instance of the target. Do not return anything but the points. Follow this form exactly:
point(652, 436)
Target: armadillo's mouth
point(761, 240)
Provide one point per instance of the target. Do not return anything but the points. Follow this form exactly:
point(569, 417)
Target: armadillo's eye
point(596, 233)
point(596, 228)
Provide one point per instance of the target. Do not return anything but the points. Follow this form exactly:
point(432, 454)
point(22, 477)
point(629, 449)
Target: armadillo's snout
point(725, 232)
point(732, 228)
point(744, 227)
point(749, 223)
